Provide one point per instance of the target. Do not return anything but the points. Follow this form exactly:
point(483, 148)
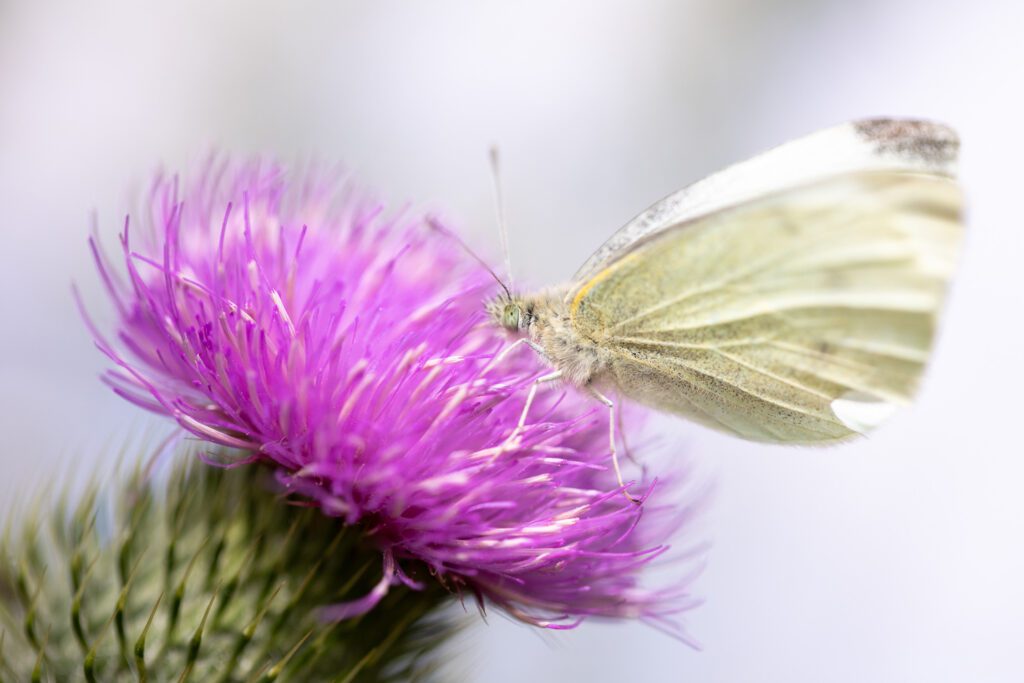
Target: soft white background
point(900, 558)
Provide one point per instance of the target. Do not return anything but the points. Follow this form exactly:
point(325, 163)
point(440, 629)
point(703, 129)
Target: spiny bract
point(202, 575)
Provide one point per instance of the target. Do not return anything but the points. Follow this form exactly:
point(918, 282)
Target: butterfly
point(791, 298)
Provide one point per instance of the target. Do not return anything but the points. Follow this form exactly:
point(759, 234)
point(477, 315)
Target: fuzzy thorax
point(544, 318)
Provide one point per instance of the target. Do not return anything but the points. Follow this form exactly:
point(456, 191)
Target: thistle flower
point(291, 318)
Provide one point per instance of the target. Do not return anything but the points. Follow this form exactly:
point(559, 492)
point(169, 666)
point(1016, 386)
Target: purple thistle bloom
point(287, 316)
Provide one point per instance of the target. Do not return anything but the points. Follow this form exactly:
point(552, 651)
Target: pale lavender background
point(898, 558)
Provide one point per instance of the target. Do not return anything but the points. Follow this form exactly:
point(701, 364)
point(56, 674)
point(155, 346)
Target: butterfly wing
point(853, 147)
point(805, 315)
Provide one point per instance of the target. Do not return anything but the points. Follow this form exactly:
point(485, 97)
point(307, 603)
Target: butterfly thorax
point(544, 318)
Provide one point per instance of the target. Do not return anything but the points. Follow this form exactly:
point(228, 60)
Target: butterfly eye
point(511, 317)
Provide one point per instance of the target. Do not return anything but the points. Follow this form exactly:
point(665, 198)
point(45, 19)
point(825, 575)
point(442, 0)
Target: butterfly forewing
point(855, 147)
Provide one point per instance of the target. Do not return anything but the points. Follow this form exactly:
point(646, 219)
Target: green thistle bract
point(204, 575)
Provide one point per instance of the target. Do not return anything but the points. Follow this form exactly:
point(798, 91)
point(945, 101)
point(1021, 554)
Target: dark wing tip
point(927, 141)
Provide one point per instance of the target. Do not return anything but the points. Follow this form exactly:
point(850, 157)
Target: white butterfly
point(791, 298)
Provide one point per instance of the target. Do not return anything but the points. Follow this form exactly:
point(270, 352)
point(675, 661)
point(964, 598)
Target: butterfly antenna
point(436, 225)
point(499, 209)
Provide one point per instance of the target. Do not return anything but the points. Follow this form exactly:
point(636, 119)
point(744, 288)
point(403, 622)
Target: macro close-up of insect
point(278, 406)
point(792, 298)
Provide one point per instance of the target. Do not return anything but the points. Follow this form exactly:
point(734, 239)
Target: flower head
point(289, 316)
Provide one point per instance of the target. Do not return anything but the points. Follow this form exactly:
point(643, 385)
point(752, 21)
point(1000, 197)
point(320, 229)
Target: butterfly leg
point(611, 438)
point(622, 436)
point(550, 377)
point(512, 347)
point(511, 441)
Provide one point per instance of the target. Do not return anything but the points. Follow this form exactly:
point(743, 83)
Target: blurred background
point(898, 558)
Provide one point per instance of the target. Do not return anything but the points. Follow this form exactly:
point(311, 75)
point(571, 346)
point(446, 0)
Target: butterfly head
point(511, 313)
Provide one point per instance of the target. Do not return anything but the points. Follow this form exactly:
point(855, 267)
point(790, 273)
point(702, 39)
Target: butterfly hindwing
point(803, 315)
